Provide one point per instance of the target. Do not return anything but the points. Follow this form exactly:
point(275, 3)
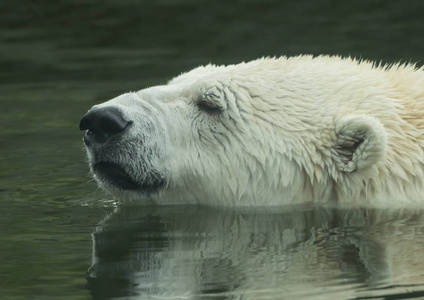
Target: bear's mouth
point(115, 175)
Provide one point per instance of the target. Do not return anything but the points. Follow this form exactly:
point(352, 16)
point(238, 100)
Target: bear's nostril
point(103, 123)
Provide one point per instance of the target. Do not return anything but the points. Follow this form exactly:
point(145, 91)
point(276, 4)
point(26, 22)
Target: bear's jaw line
point(111, 174)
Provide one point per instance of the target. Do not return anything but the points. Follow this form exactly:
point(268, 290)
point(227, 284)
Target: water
point(297, 252)
point(61, 238)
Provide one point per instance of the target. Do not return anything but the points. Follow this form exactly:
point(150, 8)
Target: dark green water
point(61, 238)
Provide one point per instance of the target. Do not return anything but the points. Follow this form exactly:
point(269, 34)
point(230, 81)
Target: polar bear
point(272, 131)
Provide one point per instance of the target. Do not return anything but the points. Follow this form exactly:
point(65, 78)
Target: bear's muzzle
point(103, 124)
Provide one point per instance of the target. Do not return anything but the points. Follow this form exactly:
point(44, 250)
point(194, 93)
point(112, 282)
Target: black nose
point(102, 123)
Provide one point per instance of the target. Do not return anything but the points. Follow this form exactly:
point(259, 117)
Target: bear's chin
point(115, 176)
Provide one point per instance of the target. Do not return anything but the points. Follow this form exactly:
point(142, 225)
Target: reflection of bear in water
point(184, 252)
point(267, 132)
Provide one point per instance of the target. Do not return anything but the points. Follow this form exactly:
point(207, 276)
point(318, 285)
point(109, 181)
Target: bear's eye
point(209, 106)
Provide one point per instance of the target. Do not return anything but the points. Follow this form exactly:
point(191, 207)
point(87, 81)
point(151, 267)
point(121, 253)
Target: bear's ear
point(360, 142)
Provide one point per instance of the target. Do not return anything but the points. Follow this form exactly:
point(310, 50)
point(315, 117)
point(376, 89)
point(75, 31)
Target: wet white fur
point(291, 130)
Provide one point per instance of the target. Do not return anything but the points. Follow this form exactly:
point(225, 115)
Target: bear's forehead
point(224, 73)
point(202, 72)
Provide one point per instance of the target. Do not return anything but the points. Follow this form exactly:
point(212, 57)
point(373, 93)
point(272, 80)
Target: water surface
point(287, 253)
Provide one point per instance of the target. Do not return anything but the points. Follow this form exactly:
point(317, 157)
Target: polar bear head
point(271, 131)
